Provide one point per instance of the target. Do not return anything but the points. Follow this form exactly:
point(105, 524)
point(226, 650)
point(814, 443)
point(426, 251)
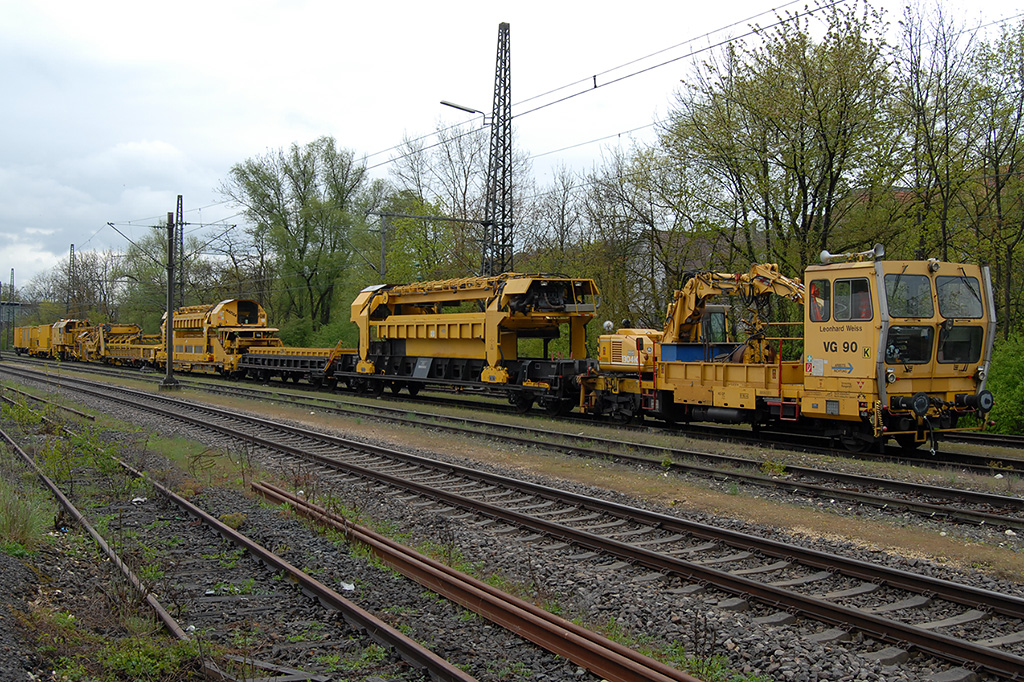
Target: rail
point(613, 661)
point(439, 669)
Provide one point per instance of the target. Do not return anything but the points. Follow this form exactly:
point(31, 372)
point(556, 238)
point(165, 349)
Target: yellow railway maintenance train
point(889, 349)
point(55, 340)
point(885, 348)
point(484, 333)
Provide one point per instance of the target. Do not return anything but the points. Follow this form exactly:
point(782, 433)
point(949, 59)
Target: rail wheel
point(856, 441)
point(375, 387)
point(625, 410)
point(413, 389)
point(521, 401)
point(908, 442)
point(395, 386)
point(621, 417)
point(559, 407)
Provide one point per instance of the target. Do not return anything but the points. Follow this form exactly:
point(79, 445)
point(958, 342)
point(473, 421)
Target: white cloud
point(28, 260)
point(33, 231)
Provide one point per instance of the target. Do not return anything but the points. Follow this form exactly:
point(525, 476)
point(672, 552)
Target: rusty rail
point(612, 661)
point(960, 652)
point(439, 669)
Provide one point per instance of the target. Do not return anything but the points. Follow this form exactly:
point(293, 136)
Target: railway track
point(1006, 455)
point(254, 595)
point(594, 652)
point(991, 439)
point(237, 604)
point(953, 622)
point(955, 504)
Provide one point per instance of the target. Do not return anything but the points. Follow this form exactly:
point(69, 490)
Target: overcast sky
point(112, 109)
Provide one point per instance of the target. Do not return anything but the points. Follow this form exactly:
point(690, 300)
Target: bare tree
point(995, 200)
point(938, 111)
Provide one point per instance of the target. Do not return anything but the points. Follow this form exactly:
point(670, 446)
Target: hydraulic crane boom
point(682, 320)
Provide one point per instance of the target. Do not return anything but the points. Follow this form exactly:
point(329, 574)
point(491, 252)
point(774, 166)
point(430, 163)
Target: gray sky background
point(112, 109)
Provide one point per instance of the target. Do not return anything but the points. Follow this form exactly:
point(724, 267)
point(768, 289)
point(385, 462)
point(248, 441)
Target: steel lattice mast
point(497, 252)
point(71, 282)
point(179, 224)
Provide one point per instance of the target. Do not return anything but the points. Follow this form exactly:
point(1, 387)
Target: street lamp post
point(468, 110)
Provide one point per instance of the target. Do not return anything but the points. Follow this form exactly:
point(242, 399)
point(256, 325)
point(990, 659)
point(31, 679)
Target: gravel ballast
point(602, 591)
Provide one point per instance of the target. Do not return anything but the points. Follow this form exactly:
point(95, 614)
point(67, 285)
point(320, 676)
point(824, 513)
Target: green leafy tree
point(421, 249)
point(995, 195)
point(788, 129)
point(303, 204)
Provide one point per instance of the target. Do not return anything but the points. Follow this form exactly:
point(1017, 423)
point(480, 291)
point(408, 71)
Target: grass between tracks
point(86, 623)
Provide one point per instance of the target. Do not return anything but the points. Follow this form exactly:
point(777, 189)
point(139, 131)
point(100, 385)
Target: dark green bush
point(297, 332)
point(329, 334)
point(1006, 381)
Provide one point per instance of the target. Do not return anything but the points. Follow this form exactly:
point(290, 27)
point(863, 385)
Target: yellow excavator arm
point(684, 314)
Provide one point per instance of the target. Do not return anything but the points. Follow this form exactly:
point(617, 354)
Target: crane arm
point(684, 313)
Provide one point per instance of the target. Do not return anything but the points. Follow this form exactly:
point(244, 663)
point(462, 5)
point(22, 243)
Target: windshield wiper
point(967, 282)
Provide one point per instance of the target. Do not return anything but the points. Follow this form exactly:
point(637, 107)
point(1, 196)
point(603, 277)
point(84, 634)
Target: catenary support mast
point(497, 252)
point(179, 225)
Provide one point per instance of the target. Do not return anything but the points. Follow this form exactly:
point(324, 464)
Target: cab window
point(959, 297)
point(909, 295)
point(852, 299)
point(960, 344)
point(716, 330)
point(908, 344)
point(820, 300)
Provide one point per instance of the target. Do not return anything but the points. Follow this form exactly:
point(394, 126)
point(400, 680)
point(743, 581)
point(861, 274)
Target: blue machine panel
point(694, 352)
